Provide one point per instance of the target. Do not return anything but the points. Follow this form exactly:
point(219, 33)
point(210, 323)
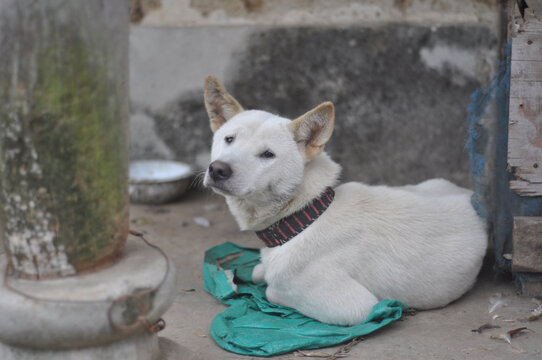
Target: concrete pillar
point(71, 288)
point(63, 134)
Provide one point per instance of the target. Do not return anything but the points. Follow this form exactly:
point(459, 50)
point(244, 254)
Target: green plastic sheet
point(251, 325)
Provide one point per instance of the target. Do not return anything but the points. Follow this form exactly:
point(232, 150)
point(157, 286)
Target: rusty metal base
point(100, 311)
point(141, 347)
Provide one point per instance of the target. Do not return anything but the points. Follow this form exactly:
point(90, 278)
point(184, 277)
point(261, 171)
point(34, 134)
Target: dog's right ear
point(220, 105)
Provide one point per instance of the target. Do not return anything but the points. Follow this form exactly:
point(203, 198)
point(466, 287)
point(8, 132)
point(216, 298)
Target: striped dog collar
point(288, 227)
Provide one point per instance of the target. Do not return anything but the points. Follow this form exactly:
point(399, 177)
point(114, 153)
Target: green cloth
point(251, 325)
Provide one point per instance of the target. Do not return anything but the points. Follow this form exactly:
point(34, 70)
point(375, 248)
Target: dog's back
point(423, 248)
point(407, 244)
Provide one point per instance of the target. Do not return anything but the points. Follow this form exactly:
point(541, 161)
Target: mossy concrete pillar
point(72, 290)
point(63, 134)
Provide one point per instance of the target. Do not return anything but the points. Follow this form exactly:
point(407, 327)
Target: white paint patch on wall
point(145, 141)
point(463, 63)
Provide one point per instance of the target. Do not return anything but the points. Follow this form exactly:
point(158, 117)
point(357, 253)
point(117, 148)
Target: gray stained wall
point(401, 89)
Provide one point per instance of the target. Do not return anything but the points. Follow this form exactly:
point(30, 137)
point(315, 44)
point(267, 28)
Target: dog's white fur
point(420, 244)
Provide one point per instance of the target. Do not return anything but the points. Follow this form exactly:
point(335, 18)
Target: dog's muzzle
point(219, 171)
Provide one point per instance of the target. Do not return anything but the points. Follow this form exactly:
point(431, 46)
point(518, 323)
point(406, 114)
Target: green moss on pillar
point(63, 156)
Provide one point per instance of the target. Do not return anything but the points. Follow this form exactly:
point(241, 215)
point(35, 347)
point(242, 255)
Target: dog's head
point(259, 155)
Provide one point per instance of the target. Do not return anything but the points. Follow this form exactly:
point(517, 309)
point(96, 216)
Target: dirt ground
point(438, 334)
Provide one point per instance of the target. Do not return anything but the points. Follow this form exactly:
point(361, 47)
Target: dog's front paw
point(258, 274)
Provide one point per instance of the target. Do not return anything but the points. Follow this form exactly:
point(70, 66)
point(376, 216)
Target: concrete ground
point(437, 334)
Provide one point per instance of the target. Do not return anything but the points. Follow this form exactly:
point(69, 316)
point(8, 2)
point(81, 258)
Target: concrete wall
point(399, 72)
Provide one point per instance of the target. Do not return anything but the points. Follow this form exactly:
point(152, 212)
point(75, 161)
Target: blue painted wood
point(493, 199)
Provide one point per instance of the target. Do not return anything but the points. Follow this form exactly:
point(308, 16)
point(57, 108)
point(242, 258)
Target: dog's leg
point(258, 274)
point(342, 301)
point(348, 304)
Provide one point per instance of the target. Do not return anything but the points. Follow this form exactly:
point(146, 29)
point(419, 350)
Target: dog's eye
point(267, 154)
point(229, 139)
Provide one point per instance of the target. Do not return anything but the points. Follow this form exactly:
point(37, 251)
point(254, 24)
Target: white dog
point(335, 251)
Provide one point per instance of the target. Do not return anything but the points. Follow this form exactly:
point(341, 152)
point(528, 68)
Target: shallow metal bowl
point(158, 181)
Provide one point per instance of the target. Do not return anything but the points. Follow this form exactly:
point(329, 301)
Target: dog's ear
point(220, 105)
point(313, 129)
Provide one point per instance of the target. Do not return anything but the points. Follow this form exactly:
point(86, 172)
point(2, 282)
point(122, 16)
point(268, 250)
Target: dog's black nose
point(219, 170)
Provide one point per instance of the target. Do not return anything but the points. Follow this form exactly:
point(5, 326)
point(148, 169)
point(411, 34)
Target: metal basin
point(158, 181)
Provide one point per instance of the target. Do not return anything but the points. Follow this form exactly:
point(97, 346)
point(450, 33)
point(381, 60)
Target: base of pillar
point(141, 347)
point(106, 314)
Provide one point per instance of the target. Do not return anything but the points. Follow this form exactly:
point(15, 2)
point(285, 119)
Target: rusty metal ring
point(137, 322)
point(159, 325)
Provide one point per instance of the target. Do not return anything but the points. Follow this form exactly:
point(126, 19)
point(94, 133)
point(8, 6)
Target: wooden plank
point(525, 112)
point(524, 107)
point(530, 284)
point(525, 145)
point(527, 46)
point(525, 89)
point(535, 6)
point(525, 140)
point(518, 25)
point(533, 21)
point(526, 70)
point(527, 243)
point(534, 27)
point(526, 188)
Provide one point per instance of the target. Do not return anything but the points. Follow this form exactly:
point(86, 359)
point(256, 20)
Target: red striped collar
point(288, 227)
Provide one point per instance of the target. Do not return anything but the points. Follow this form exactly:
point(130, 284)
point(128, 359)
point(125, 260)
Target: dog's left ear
point(220, 105)
point(313, 129)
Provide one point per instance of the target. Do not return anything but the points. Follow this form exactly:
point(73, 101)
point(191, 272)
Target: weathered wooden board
point(525, 144)
point(534, 27)
point(524, 70)
point(530, 284)
point(527, 242)
point(525, 126)
point(515, 22)
point(526, 89)
point(527, 46)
